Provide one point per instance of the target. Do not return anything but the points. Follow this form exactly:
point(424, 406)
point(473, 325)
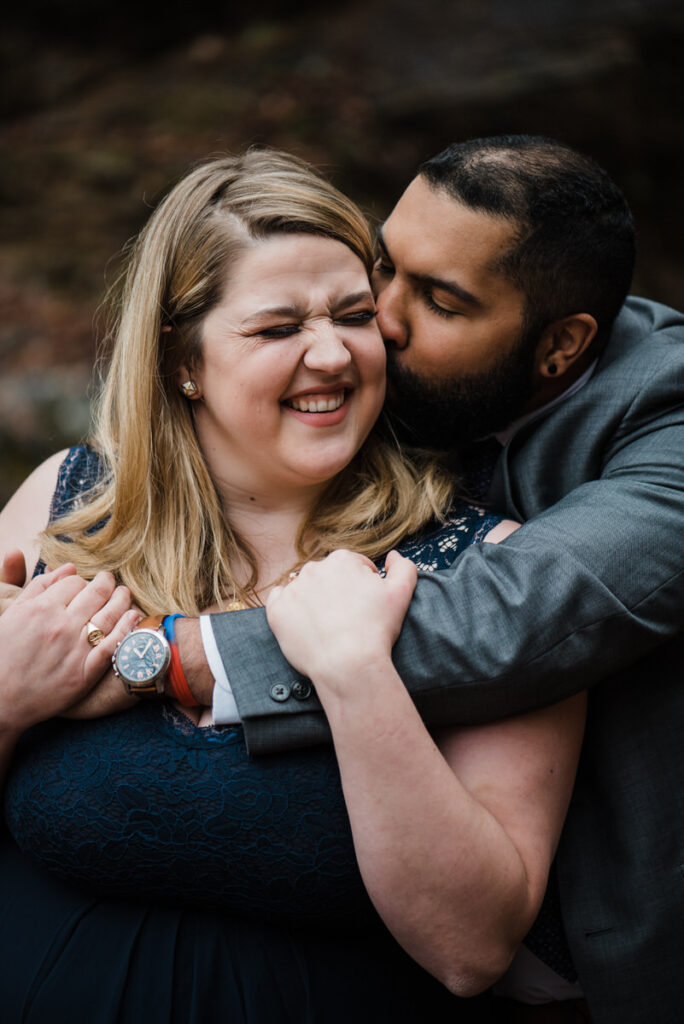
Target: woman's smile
point(320, 408)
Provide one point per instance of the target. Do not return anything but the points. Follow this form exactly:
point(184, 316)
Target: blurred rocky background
point(102, 107)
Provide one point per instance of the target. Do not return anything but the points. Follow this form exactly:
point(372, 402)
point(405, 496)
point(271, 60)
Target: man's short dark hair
point(573, 249)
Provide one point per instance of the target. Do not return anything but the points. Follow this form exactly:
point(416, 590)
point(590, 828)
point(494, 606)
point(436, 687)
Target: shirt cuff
point(224, 708)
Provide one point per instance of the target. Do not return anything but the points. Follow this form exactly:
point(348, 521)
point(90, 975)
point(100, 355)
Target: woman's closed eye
point(358, 318)
point(279, 331)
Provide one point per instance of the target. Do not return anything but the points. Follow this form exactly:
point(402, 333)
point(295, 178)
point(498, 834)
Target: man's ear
point(562, 343)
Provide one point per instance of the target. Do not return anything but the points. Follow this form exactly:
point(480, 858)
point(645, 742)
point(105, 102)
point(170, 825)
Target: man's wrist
point(194, 662)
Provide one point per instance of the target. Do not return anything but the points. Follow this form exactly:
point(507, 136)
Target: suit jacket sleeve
point(592, 581)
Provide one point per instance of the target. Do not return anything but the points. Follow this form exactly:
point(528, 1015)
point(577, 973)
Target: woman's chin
point(318, 475)
point(321, 463)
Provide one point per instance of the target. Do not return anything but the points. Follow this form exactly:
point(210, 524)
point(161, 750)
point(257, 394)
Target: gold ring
point(94, 634)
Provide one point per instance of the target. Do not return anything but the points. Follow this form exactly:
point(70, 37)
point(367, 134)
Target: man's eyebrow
point(450, 287)
point(460, 293)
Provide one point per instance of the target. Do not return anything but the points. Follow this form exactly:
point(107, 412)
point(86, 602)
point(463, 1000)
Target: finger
point(99, 658)
point(60, 592)
point(68, 569)
point(92, 597)
point(9, 596)
point(401, 571)
point(46, 579)
point(367, 563)
point(13, 568)
point(391, 559)
point(109, 614)
point(342, 555)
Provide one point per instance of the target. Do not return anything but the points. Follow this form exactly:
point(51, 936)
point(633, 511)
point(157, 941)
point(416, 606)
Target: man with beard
point(501, 287)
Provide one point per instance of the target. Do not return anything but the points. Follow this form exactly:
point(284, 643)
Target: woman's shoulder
point(438, 546)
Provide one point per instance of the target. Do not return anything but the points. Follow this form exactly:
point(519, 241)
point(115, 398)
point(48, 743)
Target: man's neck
point(537, 410)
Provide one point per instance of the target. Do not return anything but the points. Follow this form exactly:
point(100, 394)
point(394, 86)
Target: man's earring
point(190, 389)
point(553, 369)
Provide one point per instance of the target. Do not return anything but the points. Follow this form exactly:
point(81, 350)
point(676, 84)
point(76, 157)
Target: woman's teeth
point(307, 403)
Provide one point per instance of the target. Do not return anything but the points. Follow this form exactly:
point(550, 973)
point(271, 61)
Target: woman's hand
point(47, 662)
point(340, 615)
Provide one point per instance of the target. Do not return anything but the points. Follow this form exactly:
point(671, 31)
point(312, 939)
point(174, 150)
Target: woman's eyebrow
point(293, 311)
point(350, 300)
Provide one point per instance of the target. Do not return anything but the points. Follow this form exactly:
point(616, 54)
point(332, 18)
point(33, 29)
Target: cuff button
point(280, 692)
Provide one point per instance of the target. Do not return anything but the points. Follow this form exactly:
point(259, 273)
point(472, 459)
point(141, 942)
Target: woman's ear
point(563, 343)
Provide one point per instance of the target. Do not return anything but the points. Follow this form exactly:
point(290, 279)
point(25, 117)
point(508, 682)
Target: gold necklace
point(238, 605)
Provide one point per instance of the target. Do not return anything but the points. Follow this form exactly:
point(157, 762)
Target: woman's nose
point(327, 351)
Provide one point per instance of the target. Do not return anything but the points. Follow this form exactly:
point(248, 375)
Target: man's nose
point(327, 351)
point(391, 319)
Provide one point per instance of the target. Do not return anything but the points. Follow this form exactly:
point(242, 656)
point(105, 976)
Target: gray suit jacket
point(590, 589)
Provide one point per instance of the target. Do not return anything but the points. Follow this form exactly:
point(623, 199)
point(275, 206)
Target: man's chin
point(445, 414)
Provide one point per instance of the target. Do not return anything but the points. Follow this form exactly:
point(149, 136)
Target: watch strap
point(152, 691)
point(152, 622)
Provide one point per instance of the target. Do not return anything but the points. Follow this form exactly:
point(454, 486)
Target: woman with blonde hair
point(237, 439)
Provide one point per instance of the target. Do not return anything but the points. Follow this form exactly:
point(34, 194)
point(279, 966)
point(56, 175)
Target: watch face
point(142, 656)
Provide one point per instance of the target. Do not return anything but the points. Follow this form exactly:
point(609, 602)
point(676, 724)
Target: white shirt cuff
point(224, 708)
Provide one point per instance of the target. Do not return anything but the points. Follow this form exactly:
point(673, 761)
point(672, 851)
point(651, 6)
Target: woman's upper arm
point(522, 770)
point(27, 512)
point(502, 530)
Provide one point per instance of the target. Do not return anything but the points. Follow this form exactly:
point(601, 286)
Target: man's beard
point(447, 413)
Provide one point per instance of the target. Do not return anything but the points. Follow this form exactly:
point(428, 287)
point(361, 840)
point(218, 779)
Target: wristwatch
point(141, 660)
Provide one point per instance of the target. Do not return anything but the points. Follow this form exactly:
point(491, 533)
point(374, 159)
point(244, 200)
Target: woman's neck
point(270, 527)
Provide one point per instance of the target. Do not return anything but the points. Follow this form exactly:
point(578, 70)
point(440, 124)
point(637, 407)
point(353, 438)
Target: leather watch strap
point(151, 622)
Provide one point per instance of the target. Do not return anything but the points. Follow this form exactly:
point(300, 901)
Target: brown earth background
point(102, 109)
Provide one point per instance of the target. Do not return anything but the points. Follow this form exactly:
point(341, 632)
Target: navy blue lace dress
point(155, 873)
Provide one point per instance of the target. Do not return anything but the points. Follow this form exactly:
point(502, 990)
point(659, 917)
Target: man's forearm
point(464, 662)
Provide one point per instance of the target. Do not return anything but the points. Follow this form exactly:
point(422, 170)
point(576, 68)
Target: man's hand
point(12, 578)
point(47, 662)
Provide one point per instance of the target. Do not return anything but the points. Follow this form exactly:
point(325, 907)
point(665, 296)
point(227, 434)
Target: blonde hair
point(160, 524)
